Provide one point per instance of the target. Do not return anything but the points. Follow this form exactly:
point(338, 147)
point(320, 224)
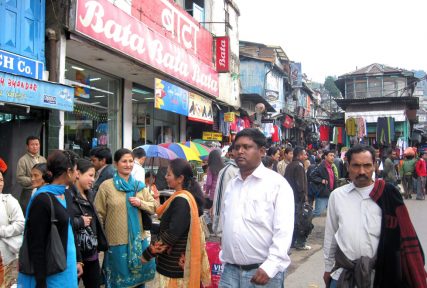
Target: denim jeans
point(234, 277)
point(320, 206)
point(333, 283)
point(421, 186)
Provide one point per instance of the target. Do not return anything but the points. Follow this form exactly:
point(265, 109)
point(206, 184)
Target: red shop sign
point(222, 54)
point(171, 20)
point(109, 25)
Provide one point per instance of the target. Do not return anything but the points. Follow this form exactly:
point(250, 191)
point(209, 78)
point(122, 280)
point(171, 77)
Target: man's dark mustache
point(362, 177)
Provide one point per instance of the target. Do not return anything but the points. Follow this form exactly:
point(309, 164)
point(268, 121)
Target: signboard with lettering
point(170, 97)
point(229, 117)
point(19, 65)
point(142, 41)
point(26, 91)
point(213, 136)
point(199, 109)
point(222, 54)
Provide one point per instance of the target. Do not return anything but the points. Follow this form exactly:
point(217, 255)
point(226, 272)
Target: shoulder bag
point(56, 260)
point(86, 238)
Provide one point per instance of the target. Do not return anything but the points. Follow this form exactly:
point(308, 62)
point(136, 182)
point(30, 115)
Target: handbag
point(86, 238)
point(56, 260)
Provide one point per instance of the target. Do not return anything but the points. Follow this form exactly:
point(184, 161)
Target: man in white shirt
point(257, 219)
point(138, 172)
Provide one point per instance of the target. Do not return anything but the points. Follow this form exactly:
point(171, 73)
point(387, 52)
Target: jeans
point(407, 183)
point(421, 186)
point(333, 283)
point(320, 206)
point(234, 277)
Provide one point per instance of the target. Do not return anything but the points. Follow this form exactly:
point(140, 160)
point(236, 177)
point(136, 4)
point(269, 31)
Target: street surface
point(306, 271)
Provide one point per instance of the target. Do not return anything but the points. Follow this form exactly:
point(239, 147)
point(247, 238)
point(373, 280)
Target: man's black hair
point(257, 136)
point(297, 152)
point(289, 150)
point(102, 153)
point(30, 138)
point(358, 148)
point(138, 153)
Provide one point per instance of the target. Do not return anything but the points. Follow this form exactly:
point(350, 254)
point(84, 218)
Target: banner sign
point(222, 45)
point(170, 97)
point(27, 91)
point(296, 74)
point(229, 117)
point(103, 22)
point(19, 65)
point(199, 109)
point(288, 123)
point(213, 136)
point(170, 19)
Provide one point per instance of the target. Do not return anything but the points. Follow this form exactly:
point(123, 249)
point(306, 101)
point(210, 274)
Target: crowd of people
point(260, 200)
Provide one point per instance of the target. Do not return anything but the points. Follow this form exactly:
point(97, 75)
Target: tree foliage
point(331, 87)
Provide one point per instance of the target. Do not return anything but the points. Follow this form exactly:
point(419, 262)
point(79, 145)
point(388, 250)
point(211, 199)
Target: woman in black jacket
point(61, 166)
point(86, 223)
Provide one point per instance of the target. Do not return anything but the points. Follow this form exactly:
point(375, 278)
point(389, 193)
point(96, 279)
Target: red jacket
point(420, 168)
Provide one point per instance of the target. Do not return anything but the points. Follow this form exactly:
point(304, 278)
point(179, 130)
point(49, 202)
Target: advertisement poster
point(296, 74)
point(199, 109)
point(27, 91)
point(170, 97)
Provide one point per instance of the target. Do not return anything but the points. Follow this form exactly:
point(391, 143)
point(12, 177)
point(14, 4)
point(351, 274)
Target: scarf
point(197, 268)
point(400, 258)
point(54, 189)
point(131, 187)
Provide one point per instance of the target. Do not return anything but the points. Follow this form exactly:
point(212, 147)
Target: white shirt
point(258, 221)
point(353, 223)
point(138, 172)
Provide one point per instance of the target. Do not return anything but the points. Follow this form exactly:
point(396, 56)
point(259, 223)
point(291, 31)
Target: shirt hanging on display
point(350, 126)
point(324, 133)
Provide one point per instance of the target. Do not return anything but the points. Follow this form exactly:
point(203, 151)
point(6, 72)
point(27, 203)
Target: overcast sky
point(333, 37)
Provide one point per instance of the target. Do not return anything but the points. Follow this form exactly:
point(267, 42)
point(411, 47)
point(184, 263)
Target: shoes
point(305, 248)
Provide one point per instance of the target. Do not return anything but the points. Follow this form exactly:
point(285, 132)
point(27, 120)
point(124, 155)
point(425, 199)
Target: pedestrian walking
point(11, 229)
point(182, 260)
point(390, 172)
point(120, 202)
point(224, 177)
point(421, 171)
point(102, 160)
point(23, 171)
point(38, 174)
point(215, 164)
point(138, 171)
point(407, 172)
point(367, 225)
point(288, 155)
point(274, 153)
point(62, 173)
point(90, 234)
point(325, 180)
point(296, 176)
point(258, 203)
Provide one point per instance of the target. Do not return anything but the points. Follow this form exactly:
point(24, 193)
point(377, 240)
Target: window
point(94, 121)
point(349, 89)
point(361, 89)
point(375, 87)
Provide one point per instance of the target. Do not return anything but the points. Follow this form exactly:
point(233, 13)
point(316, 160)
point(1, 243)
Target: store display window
point(151, 125)
point(94, 121)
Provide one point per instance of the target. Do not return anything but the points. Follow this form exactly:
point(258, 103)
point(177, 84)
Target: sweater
point(296, 177)
point(23, 170)
point(111, 206)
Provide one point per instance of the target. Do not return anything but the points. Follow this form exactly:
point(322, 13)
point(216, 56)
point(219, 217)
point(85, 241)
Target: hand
point(158, 247)
point(324, 181)
point(86, 220)
point(143, 260)
point(260, 277)
point(79, 269)
point(327, 278)
point(135, 202)
point(181, 261)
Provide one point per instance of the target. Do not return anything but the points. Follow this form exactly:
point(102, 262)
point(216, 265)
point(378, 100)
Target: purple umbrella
point(155, 151)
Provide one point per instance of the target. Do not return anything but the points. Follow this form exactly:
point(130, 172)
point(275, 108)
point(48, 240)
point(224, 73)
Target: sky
point(334, 37)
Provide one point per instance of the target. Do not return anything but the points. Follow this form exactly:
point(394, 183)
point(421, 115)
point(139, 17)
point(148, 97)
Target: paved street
point(306, 271)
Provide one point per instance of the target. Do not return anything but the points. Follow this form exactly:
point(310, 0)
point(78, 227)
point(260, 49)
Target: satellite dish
point(259, 108)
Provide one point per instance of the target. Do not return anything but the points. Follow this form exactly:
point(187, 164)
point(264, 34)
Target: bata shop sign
point(109, 25)
point(222, 54)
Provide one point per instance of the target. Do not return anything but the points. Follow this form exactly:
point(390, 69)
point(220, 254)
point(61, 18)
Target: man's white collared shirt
point(138, 172)
point(353, 223)
point(258, 221)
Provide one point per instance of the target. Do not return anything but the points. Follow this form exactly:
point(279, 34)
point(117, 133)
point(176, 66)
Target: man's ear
point(263, 151)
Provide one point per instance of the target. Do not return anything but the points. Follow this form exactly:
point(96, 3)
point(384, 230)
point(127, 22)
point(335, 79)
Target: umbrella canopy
point(182, 151)
point(201, 150)
point(156, 151)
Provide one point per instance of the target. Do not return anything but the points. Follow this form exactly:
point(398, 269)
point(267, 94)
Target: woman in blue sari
point(119, 202)
point(61, 167)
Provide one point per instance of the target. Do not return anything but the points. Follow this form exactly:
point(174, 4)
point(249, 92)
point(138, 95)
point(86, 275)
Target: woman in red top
point(421, 170)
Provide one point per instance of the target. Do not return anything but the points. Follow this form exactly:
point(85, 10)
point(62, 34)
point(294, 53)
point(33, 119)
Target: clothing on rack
point(362, 130)
point(350, 126)
point(275, 136)
point(385, 130)
point(324, 133)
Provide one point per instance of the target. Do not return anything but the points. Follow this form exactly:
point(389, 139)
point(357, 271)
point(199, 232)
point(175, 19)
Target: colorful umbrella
point(182, 151)
point(201, 150)
point(156, 151)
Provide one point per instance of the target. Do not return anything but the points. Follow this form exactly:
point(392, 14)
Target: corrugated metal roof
point(377, 69)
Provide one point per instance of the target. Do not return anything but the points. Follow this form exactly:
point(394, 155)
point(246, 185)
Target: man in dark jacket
point(295, 175)
point(324, 179)
point(102, 159)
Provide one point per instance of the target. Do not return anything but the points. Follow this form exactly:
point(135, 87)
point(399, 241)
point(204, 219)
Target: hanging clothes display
point(324, 133)
point(362, 131)
point(385, 130)
point(350, 127)
point(275, 136)
point(338, 135)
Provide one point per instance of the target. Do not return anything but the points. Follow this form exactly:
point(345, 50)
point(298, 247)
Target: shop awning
point(256, 98)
